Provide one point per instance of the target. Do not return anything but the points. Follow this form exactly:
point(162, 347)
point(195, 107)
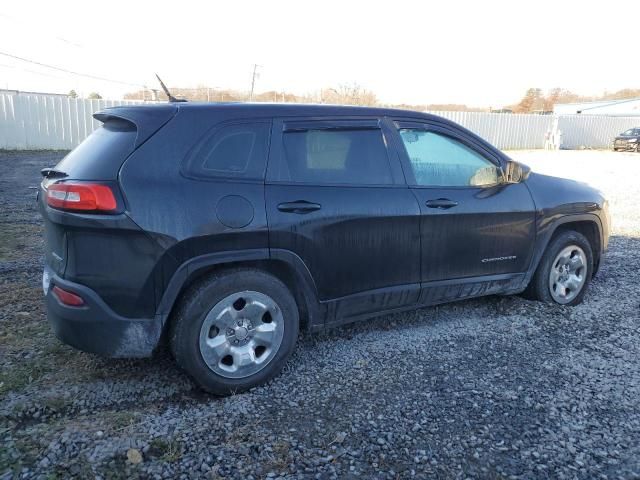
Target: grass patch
point(167, 451)
point(121, 419)
point(19, 376)
point(15, 238)
point(8, 243)
point(56, 404)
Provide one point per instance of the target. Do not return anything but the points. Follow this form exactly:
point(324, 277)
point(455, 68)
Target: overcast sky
point(481, 53)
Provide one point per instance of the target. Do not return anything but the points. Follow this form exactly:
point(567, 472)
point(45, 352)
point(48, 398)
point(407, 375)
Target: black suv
point(226, 229)
point(628, 140)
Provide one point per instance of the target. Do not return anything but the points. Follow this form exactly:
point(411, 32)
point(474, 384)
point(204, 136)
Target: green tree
point(94, 96)
point(72, 94)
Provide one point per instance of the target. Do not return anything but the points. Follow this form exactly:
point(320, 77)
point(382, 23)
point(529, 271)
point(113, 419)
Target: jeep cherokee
point(225, 229)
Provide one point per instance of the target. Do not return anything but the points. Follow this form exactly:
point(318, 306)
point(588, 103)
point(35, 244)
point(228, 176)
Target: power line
point(59, 77)
point(71, 72)
point(62, 39)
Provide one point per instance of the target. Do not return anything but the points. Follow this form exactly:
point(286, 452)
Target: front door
point(337, 199)
point(477, 231)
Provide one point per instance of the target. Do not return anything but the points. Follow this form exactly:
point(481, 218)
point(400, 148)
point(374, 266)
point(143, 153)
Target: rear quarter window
point(237, 150)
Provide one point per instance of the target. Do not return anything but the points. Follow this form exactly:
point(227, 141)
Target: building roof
point(606, 103)
point(625, 107)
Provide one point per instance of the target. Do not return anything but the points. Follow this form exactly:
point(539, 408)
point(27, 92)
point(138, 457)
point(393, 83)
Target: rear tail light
point(67, 298)
point(83, 197)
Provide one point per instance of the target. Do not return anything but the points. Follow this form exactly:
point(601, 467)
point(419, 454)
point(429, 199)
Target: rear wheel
point(235, 330)
point(564, 272)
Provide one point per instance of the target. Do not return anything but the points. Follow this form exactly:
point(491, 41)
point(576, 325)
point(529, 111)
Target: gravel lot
point(492, 388)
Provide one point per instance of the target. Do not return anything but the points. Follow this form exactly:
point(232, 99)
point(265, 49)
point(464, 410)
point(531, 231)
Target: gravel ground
point(492, 388)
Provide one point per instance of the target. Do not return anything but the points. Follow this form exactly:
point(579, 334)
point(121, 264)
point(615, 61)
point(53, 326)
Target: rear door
point(337, 199)
point(477, 232)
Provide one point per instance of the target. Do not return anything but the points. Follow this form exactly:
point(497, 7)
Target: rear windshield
point(102, 154)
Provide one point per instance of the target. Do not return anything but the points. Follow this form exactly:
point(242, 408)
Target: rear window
point(235, 151)
point(103, 152)
point(335, 157)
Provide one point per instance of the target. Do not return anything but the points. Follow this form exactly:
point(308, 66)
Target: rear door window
point(347, 156)
point(235, 151)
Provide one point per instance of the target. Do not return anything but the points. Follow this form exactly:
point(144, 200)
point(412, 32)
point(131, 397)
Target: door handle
point(442, 203)
point(299, 206)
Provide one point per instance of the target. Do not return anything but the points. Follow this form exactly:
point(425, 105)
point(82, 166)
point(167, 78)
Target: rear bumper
point(95, 328)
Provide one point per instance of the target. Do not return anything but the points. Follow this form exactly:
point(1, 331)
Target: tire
point(551, 278)
point(234, 330)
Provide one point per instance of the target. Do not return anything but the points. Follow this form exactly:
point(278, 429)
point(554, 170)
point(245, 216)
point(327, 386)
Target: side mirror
point(515, 172)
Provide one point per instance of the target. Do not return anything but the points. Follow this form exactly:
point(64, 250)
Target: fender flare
point(191, 268)
point(549, 229)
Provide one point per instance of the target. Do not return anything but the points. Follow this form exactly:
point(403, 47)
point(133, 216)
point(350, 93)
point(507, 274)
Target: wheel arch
point(591, 232)
point(284, 265)
point(588, 225)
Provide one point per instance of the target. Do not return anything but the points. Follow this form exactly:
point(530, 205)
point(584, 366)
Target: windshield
point(631, 132)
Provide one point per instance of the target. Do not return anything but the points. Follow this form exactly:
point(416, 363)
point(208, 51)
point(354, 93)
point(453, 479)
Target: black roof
point(282, 109)
point(149, 117)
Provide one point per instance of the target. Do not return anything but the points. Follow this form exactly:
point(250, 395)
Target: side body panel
point(483, 243)
point(491, 231)
point(361, 247)
point(186, 217)
point(561, 201)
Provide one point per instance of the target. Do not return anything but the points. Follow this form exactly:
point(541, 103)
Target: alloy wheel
point(568, 274)
point(241, 334)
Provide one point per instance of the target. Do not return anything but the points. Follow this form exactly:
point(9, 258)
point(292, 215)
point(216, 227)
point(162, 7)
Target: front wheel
point(235, 330)
point(565, 270)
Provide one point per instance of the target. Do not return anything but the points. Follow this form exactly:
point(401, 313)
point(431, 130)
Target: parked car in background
point(227, 228)
point(628, 140)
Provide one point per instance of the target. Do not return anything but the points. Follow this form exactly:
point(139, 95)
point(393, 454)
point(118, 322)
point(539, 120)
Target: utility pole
point(253, 79)
point(209, 91)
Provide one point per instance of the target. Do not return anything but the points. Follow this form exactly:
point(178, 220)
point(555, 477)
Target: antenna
point(172, 99)
point(253, 79)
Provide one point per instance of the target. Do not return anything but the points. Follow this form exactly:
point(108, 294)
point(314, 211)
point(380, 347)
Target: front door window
point(440, 161)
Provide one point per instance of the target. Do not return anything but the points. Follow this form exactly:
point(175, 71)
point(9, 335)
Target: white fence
point(48, 122)
point(57, 122)
point(593, 131)
point(504, 130)
point(520, 131)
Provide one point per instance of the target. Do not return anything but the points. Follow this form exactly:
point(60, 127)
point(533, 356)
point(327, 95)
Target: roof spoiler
point(147, 119)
